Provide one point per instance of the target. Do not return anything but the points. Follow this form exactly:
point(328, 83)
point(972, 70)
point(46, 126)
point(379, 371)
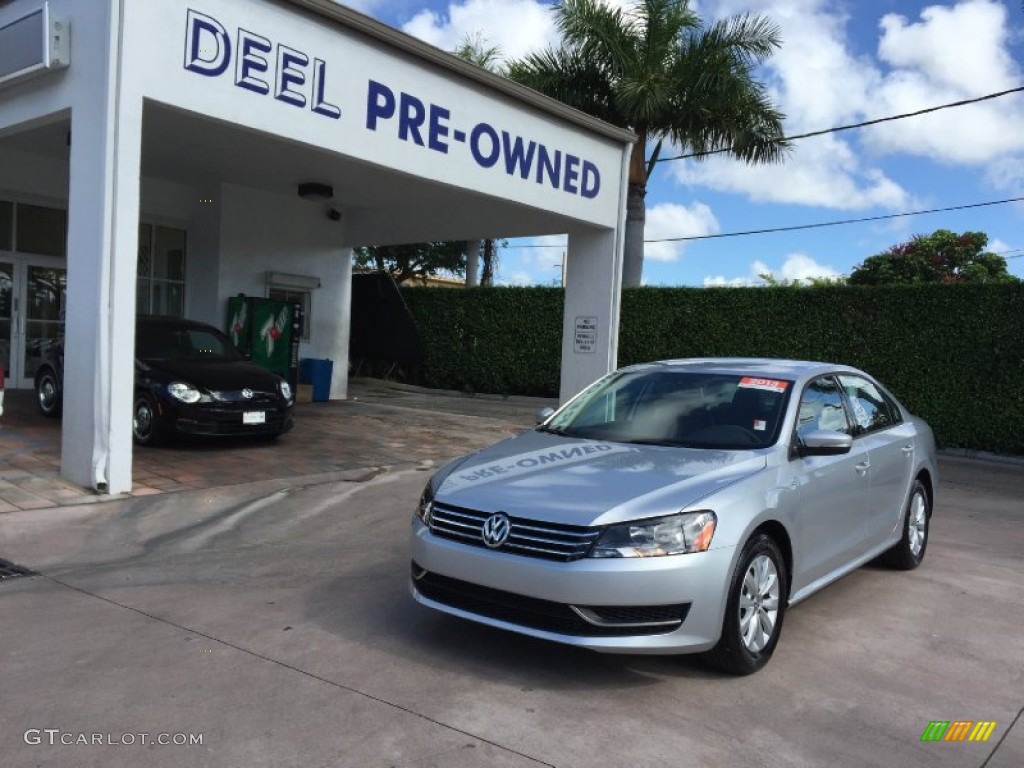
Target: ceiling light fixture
point(313, 190)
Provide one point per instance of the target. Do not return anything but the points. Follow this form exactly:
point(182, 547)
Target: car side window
point(871, 412)
point(821, 407)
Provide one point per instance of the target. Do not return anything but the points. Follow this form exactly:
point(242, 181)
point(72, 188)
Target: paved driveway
point(273, 619)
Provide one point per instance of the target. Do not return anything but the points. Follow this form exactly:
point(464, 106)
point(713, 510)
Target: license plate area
point(254, 417)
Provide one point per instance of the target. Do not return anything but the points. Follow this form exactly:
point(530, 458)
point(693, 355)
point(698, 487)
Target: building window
point(6, 226)
point(161, 271)
point(40, 230)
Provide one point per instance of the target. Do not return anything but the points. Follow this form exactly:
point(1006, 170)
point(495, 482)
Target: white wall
point(31, 178)
point(262, 232)
point(358, 76)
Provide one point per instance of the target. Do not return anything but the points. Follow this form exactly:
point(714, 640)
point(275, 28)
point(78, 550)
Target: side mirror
point(825, 442)
point(544, 414)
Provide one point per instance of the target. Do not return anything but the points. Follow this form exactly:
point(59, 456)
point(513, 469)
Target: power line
point(836, 223)
point(850, 127)
point(818, 225)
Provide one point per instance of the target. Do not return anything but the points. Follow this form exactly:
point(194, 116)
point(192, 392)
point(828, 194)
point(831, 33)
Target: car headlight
point(186, 393)
point(673, 535)
point(426, 506)
point(286, 390)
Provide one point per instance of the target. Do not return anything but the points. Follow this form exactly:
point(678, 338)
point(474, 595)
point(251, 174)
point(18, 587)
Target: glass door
point(33, 291)
point(6, 316)
point(43, 321)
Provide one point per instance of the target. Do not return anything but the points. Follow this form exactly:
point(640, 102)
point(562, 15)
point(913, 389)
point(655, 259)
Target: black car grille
point(579, 621)
point(221, 420)
point(265, 399)
point(531, 538)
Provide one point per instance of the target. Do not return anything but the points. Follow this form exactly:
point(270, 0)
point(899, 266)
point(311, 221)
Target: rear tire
point(755, 609)
point(145, 421)
point(909, 552)
point(48, 395)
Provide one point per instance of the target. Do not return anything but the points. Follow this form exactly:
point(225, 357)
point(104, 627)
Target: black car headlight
point(286, 390)
point(426, 505)
point(186, 393)
point(672, 535)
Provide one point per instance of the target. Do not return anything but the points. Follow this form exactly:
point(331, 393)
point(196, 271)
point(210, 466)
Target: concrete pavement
point(273, 618)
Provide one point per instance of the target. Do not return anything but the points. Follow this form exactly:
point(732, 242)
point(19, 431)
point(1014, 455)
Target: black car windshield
point(678, 408)
point(182, 342)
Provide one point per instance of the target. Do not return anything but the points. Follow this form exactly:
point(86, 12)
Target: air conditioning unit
point(33, 45)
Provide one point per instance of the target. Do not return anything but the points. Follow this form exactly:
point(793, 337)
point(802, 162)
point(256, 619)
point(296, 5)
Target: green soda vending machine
point(267, 331)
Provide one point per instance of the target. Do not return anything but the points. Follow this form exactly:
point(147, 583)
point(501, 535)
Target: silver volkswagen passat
point(679, 507)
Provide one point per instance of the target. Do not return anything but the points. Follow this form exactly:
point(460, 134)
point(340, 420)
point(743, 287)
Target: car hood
point(589, 482)
point(220, 375)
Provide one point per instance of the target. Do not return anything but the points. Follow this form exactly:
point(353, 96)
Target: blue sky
point(841, 62)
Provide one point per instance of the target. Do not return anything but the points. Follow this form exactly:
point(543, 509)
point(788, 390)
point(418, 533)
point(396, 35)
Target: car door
point(833, 490)
point(889, 441)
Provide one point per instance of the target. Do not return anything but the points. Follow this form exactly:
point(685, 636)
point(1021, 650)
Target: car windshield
point(678, 408)
point(177, 342)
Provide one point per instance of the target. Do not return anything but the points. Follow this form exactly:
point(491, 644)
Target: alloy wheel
point(47, 394)
point(918, 524)
point(759, 603)
point(142, 423)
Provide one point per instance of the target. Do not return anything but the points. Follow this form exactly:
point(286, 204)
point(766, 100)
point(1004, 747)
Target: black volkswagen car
point(189, 379)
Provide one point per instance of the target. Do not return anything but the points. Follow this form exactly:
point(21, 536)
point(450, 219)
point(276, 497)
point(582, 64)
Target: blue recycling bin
point(318, 373)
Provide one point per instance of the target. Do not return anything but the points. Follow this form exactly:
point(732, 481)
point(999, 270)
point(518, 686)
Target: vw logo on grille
point(496, 530)
point(247, 393)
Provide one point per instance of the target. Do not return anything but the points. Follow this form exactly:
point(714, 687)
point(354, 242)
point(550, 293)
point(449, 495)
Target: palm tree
point(476, 50)
point(657, 70)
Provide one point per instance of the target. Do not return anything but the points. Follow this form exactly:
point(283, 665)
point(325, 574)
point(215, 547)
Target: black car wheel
point(755, 609)
point(145, 421)
point(48, 394)
point(909, 552)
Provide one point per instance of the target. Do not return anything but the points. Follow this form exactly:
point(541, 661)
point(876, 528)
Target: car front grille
point(265, 399)
point(214, 420)
point(561, 618)
point(531, 538)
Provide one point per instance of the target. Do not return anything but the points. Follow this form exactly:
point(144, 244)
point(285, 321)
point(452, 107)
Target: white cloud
point(796, 267)
point(800, 266)
point(820, 79)
point(532, 261)
point(519, 277)
point(824, 171)
point(673, 220)
point(952, 53)
point(533, 26)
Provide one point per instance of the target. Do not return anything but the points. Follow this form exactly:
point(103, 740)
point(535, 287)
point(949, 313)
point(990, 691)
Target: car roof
point(752, 366)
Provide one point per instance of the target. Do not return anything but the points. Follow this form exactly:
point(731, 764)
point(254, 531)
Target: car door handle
point(908, 449)
point(863, 467)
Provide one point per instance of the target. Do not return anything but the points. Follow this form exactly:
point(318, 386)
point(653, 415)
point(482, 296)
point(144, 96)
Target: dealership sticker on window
point(771, 385)
point(760, 425)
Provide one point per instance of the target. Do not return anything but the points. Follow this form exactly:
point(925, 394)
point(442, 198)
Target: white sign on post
point(585, 337)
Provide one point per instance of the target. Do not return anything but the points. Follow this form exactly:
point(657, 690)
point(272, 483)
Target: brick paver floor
point(377, 427)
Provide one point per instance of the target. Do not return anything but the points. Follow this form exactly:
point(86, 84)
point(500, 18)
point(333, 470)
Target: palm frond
point(571, 78)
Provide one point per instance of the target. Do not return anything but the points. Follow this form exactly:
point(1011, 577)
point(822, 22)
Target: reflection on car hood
point(220, 375)
point(588, 482)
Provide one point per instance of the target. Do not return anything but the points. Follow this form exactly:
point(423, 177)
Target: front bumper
point(224, 420)
point(623, 598)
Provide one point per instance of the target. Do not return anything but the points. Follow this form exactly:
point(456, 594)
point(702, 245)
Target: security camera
point(334, 214)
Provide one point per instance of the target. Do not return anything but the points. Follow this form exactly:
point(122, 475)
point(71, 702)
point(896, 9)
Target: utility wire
point(850, 127)
point(807, 226)
point(835, 223)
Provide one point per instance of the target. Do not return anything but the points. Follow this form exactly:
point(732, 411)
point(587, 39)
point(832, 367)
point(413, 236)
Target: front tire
point(755, 609)
point(145, 421)
point(48, 394)
point(909, 552)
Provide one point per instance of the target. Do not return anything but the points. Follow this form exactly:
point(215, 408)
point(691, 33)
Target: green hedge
point(953, 353)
